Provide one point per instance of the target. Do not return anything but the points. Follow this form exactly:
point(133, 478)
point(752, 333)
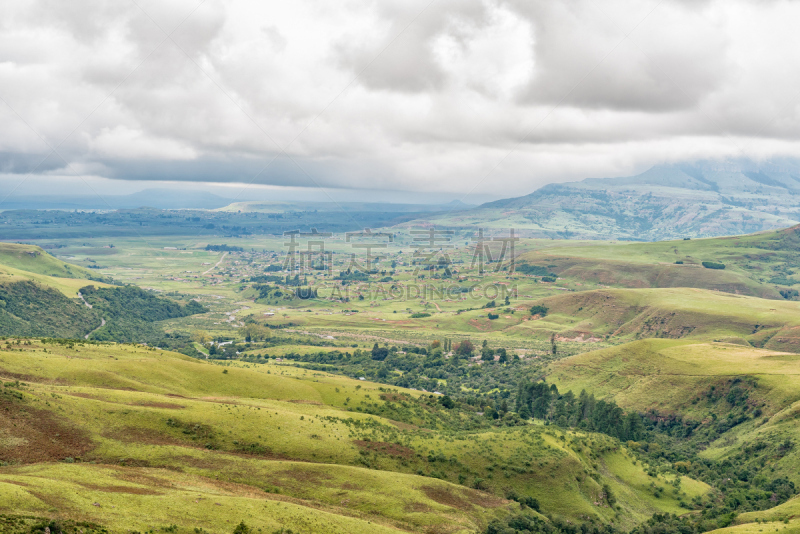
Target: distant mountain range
point(281, 207)
point(702, 199)
point(182, 199)
point(150, 198)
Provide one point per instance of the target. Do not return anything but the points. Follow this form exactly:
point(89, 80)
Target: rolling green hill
point(297, 443)
point(629, 314)
point(689, 406)
point(33, 259)
point(736, 397)
point(760, 264)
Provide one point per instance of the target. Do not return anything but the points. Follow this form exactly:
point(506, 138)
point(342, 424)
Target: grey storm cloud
point(494, 97)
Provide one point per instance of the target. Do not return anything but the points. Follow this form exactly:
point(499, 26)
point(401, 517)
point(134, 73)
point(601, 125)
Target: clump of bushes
point(539, 310)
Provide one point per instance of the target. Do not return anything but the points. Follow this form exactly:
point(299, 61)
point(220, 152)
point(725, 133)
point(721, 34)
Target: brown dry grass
point(391, 449)
point(29, 435)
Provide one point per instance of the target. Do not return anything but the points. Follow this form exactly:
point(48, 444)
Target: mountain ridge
point(671, 201)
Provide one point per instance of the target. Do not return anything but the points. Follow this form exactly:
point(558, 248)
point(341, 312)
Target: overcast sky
point(446, 98)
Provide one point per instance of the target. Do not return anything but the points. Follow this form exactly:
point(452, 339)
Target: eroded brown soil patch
point(446, 497)
point(29, 435)
point(480, 498)
point(310, 476)
point(382, 447)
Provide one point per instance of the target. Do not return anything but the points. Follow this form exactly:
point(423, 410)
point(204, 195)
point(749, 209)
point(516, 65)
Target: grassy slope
point(29, 262)
point(33, 259)
point(785, 517)
point(627, 314)
point(130, 498)
point(306, 445)
point(751, 261)
point(610, 315)
point(674, 376)
point(68, 286)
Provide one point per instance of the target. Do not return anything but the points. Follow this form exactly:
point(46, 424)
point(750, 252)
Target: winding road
point(102, 324)
point(102, 321)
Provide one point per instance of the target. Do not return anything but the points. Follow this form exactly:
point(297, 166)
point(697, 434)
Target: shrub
point(539, 310)
point(789, 294)
point(713, 265)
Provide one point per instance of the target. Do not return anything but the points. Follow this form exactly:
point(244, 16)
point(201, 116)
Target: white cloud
point(124, 143)
point(449, 96)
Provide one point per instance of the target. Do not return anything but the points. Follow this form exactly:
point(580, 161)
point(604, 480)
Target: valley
point(199, 382)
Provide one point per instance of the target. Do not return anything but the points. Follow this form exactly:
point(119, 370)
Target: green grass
point(68, 286)
point(33, 259)
point(677, 377)
point(265, 420)
point(304, 435)
point(751, 262)
point(627, 314)
point(125, 499)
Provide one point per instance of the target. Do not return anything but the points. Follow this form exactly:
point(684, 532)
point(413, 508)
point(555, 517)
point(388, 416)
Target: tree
point(255, 331)
point(503, 355)
point(201, 336)
point(465, 348)
point(379, 353)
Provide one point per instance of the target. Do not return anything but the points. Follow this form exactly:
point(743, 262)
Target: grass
point(350, 448)
point(668, 374)
point(751, 261)
point(68, 286)
point(125, 499)
point(300, 434)
point(678, 376)
point(625, 314)
point(33, 259)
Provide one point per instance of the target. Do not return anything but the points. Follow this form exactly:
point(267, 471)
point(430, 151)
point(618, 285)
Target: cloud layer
point(485, 97)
